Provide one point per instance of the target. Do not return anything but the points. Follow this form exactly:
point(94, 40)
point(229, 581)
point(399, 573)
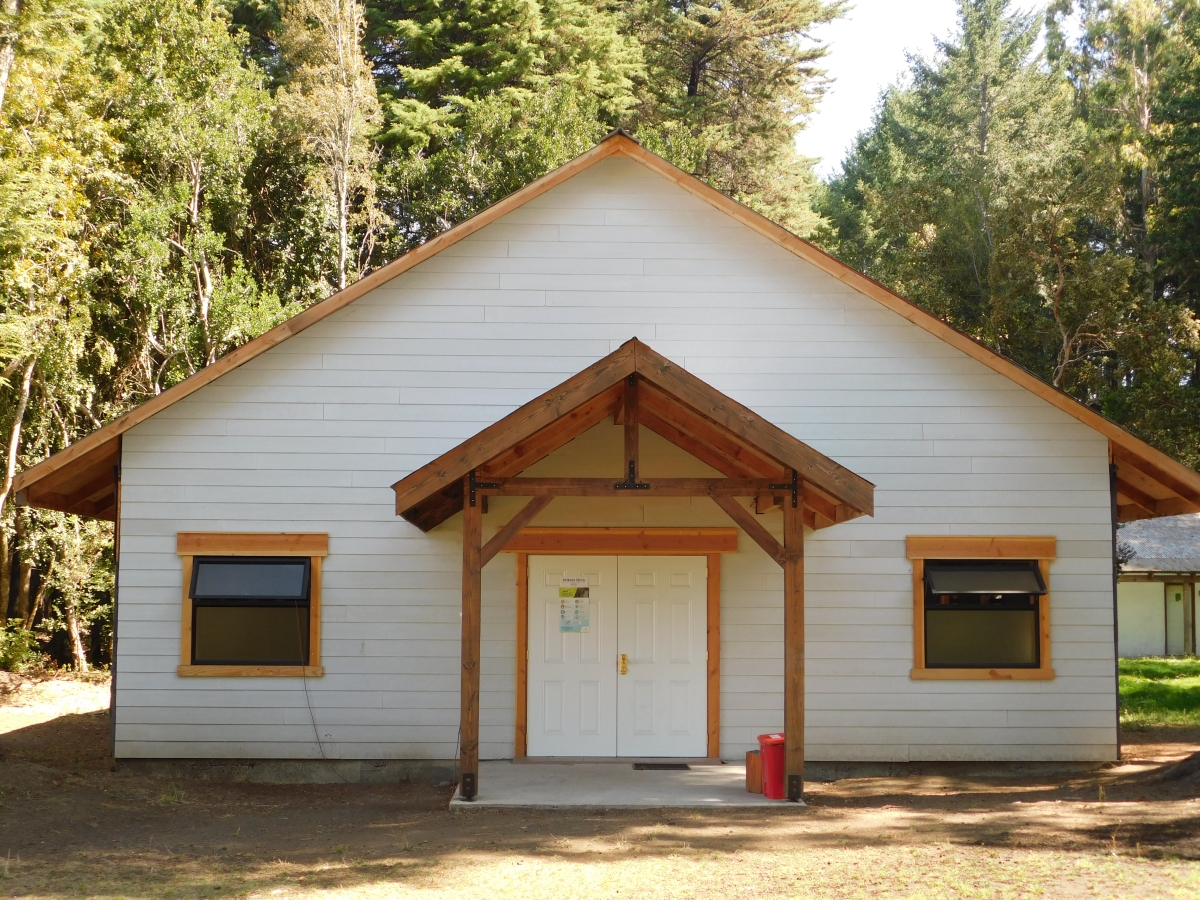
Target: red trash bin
point(770, 748)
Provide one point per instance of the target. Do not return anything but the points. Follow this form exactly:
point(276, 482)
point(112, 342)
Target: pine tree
point(727, 86)
point(433, 58)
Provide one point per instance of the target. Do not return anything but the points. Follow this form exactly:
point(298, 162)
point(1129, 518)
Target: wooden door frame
point(707, 542)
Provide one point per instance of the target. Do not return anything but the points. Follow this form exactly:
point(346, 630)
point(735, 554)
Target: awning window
point(249, 578)
point(996, 579)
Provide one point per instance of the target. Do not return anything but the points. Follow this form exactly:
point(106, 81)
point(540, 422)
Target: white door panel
point(654, 610)
point(662, 619)
point(572, 675)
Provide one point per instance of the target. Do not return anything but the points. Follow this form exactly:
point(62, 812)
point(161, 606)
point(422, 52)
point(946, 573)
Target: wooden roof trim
point(619, 144)
point(317, 312)
point(913, 313)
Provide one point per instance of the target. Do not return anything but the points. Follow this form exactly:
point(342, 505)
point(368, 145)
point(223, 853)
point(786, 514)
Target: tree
point(976, 194)
point(55, 151)
point(1012, 193)
point(727, 87)
point(501, 146)
point(1134, 69)
point(330, 103)
point(433, 59)
point(190, 115)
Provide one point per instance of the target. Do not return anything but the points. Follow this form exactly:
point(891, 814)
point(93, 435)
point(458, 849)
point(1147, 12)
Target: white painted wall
point(311, 435)
point(1141, 619)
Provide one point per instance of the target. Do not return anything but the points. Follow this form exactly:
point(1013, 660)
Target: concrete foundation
point(297, 771)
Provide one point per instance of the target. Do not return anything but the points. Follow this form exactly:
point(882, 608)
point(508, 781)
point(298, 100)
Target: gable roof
point(670, 401)
point(1170, 544)
point(80, 479)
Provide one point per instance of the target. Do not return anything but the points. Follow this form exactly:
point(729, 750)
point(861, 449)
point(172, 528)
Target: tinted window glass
point(234, 578)
point(275, 635)
point(981, 637)
point(984, 578)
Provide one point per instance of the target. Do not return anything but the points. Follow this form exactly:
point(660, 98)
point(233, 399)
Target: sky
point(867, 52)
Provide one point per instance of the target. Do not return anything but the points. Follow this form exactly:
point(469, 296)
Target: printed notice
point(574, 605)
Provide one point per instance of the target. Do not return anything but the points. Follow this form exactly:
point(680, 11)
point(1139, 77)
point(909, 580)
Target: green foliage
point(432, 58)
point(190, 116)
point(1159, 692)
point(19, 648)
point(727, 85)
point(501, 147)
point(1005, 189)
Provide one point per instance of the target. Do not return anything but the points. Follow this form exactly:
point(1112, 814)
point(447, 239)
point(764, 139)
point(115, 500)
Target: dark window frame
point(245, 602)
point(978, 601)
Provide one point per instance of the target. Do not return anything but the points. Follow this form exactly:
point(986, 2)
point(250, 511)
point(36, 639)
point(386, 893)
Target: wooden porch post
point(468, 757)
point(793, 648)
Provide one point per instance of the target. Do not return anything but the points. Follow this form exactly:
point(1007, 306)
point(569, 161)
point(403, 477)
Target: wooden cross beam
point(606, 487)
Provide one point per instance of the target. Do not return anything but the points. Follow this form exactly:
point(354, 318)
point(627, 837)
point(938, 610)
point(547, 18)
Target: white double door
point(650, 611)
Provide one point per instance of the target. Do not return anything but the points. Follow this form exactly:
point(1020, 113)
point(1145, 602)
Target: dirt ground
point(70, 826)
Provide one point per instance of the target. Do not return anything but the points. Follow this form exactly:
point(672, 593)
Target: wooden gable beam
point(813, 467)
point(434, 510)
point(518, 425)
point(716, 439)
point(538, 446)
point(1124, 457)
point(629, 408)
point(1137, 497)
point(696, 448)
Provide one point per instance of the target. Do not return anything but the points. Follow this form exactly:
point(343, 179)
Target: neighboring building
point(796, 501)
point(1156, 594)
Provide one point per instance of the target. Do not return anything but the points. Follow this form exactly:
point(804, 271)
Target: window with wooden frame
point(981, 607)
point(251, 604)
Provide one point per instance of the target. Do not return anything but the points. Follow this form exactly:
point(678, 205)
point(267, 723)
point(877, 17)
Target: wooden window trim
point(189, 545)
point(1041, 549)
point(713, 648)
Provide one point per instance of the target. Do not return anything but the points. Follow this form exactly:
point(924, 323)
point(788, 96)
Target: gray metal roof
point(1170, 544)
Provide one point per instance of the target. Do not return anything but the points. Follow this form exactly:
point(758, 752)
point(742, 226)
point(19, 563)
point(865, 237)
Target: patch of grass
point(1159, 692)
point(1160, 669)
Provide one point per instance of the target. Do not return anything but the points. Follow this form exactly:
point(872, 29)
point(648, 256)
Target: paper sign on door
point(574, 605)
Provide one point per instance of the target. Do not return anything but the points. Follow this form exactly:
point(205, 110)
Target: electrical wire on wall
point(308, 702)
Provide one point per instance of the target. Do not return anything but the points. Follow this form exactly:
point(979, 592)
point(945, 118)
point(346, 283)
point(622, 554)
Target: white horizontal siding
point(311, 435)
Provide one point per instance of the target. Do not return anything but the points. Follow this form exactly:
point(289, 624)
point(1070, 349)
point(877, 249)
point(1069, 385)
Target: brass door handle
point(623, 663)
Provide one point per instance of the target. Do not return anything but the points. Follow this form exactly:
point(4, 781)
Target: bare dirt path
point(70, 826)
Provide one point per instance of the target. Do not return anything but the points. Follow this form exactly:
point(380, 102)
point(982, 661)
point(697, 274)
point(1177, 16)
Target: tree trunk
point(76, 635)
point(343, 231)
point(20, 603)
point(10, 471)
point(8, 47)
point(6, 571)
point(24, 581)
point(14, 437)
point(36, 606)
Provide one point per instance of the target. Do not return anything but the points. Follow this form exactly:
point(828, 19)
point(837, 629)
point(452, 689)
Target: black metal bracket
point(468, 786)
point(476, 485)
point(793, 486)
point(795, 787)
point(631, 483)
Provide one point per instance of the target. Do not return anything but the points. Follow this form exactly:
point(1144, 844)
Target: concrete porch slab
point(611, 786)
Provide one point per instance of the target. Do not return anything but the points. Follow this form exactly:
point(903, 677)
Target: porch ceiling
point(636, 385)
